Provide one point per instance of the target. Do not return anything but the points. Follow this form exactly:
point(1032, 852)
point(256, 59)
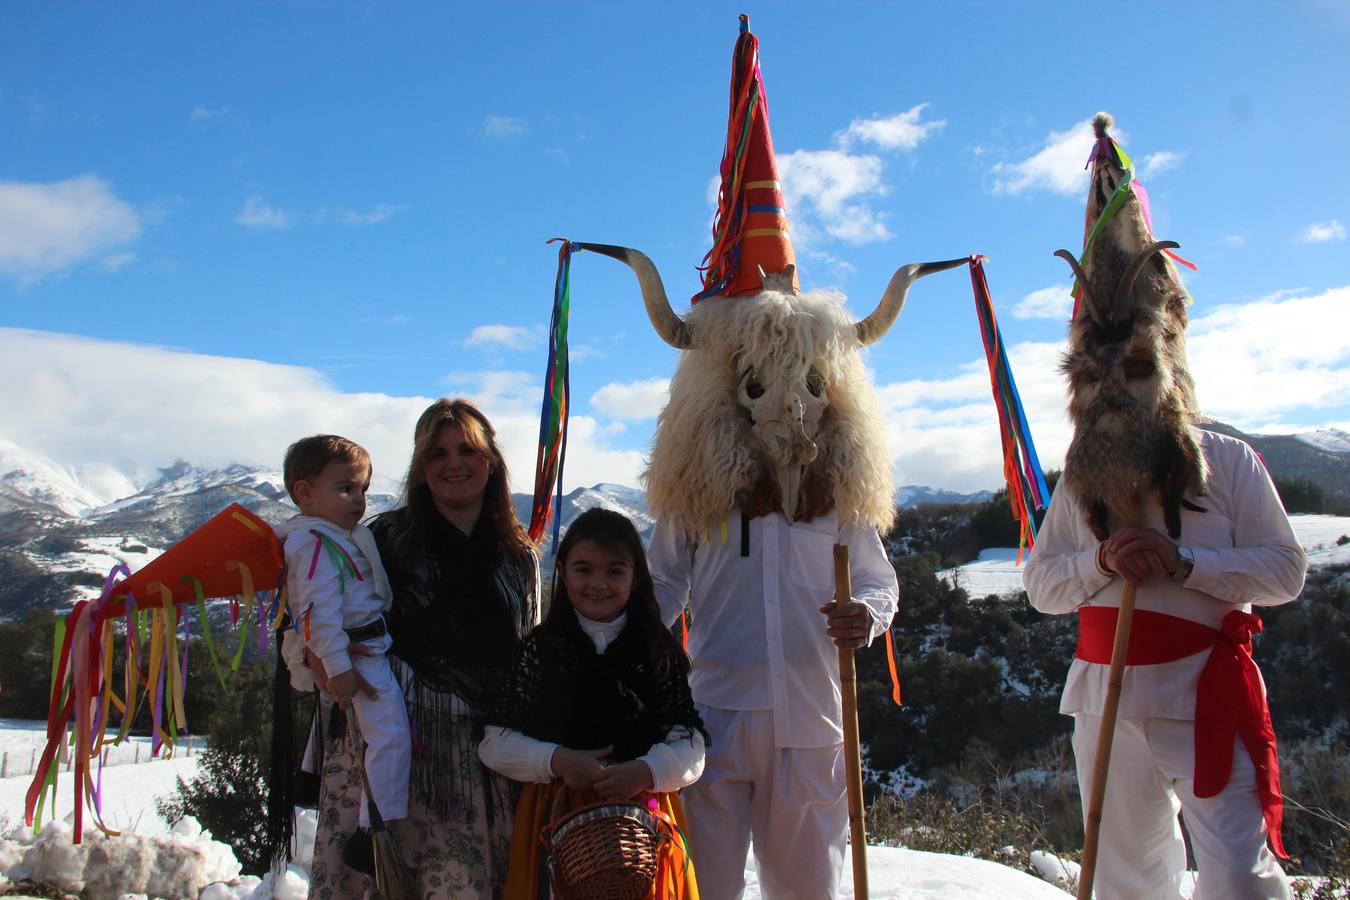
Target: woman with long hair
point(465, 582)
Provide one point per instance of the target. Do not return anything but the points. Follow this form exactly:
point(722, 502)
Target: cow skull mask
point(785, 416)
point(770, 408)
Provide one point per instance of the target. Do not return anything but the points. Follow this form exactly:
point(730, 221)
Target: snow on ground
point(152, 859)
point(996, 571)
point(129, 794)
point(151, 854)
point(22, 742)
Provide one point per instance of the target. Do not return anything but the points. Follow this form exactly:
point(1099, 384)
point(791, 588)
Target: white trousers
point(384, 725)
point(1142, 854)
point(792, 800)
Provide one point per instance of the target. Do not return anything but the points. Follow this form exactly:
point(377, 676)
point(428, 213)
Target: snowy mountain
point(62, 527)
point(1332, 440)
point(62, 530)
point(1322, 457)
point(915, 494)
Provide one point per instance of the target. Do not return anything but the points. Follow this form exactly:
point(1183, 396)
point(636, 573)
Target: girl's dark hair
point(657, 645)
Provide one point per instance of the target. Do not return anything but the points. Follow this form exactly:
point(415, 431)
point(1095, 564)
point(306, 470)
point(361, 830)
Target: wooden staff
point(848, 685)
point(1102, 762)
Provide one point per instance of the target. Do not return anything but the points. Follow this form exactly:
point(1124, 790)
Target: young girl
point(597, 703)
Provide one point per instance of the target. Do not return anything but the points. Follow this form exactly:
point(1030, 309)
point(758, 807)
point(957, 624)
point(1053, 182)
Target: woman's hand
point(579, 768)
point(624, 781)
point(322, 680)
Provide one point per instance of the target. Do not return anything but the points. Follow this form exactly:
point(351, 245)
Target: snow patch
point(1332, 440)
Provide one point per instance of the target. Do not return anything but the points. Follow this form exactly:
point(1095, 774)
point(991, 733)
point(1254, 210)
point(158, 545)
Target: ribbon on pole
point(233, 553)
point(1027, 491)
point(553, 413)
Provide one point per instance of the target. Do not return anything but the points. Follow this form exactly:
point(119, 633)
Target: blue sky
point(224, 226)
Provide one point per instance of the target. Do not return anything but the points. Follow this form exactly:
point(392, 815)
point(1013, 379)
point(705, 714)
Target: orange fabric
point(750, 229)
point(675, 879)
point(1230, 700)
point(234, 536)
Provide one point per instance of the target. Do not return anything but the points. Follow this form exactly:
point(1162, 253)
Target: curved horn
point(870, 329)
point(1127, 280)
point(668, 325)
point(1079, 274)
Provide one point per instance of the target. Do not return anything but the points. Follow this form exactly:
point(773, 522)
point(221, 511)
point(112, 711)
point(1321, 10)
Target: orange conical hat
point(233, 552)
point(750, 231)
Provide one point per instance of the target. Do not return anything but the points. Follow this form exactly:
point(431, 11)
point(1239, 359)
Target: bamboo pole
point(1102, 763)
point(848, 685)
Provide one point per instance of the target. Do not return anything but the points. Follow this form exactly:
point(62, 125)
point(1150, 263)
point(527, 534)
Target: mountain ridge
point(59, 536)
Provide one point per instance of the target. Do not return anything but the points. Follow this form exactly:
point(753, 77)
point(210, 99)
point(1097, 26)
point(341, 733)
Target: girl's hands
point(580, 769)
point(624, 781)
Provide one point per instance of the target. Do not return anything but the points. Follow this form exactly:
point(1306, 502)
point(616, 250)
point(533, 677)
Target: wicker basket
point(605, 851)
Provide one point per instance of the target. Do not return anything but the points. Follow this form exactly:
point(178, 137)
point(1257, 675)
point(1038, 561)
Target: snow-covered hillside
point(1332, 440)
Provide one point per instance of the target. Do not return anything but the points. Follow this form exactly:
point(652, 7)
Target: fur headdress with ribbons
point(1132, 399)
point(770, 408)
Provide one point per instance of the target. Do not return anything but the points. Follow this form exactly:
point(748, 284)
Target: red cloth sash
point(1230, 700)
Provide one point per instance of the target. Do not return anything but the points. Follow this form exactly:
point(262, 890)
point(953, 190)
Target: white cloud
point(1057, 166)
point(1272, 357)
point(258, 213)
point(504, 128)
point(632, 400)
point(131, 408)
point(50, 227)
point(202, 113)
point(943, 432)
point(828, 191)
point(1162, 161)
point(1055, 302)
point(510, 337)
point(1234, 240)
point(902, 131)
point(1321, 232)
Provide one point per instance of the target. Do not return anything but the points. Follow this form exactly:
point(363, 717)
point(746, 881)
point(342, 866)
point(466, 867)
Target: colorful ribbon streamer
point(1129, 184)
point(83, 691)
point(1027, 491)
point(548, 467)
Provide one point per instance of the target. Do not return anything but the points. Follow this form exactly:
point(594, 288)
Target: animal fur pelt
point(706, 460)
point(1132, 399)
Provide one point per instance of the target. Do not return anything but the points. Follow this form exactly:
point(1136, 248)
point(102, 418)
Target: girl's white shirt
point(676, 762)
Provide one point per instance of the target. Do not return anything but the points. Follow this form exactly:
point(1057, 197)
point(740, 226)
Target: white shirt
point(675, 763)
point(1246, 555)
point(332, 599)
point(758, 637)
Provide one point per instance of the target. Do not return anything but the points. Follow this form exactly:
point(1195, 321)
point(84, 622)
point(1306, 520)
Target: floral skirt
point(528, 877)
point(459, 854)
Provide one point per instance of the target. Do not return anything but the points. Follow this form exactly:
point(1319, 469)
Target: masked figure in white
point(1191, 518)
point(769, 452)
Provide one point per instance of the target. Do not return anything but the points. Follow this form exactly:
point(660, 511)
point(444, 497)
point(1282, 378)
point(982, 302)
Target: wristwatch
point(1185, 564)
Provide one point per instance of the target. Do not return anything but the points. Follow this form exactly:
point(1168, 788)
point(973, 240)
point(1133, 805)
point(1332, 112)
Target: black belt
point(368, 631)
